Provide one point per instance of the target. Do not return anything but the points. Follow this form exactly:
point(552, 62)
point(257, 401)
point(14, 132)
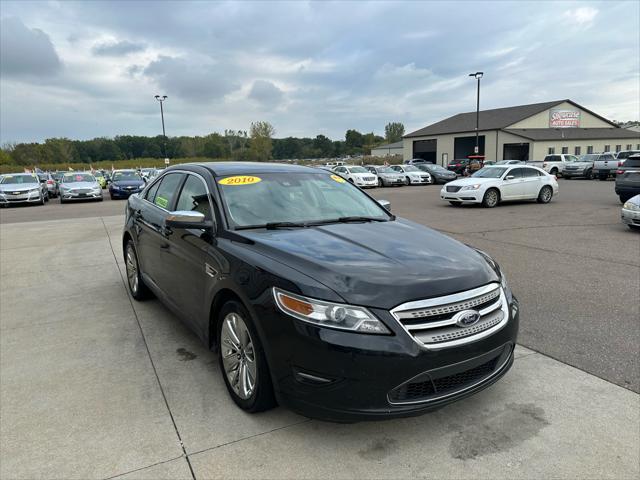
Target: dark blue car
point(124, 183)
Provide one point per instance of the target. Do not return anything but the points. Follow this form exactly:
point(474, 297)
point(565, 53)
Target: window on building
point(565, 149)
point(590, 149)
point(576, 151)
point(607, 148)
point(618, 148)
point(638, 147)
point(629, 146)
point(551, 151)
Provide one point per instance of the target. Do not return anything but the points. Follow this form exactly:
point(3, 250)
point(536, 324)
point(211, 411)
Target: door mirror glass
point(509, 177)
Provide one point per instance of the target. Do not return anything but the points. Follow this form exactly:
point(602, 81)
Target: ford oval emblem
point(466, 318)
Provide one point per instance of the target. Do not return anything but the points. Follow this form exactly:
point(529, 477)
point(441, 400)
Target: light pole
point(161, 99)
point(478, 76)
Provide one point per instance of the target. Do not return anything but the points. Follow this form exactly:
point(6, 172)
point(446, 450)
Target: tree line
point(257, 144)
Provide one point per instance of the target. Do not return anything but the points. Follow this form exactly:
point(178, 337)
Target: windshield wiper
point(355, 219)
point(275, 225)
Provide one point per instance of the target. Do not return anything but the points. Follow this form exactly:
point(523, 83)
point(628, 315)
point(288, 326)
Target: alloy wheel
point(238, 355)
point(131, 265)
point(491, 198)
point(545, 194)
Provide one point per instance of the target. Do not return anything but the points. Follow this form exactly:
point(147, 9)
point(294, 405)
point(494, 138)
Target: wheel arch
point(221, 297)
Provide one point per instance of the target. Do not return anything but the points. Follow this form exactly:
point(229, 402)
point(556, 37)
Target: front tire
point(588, 175)
point(380, 183)
point(491, 198)
point(137, 287)
point(545, 195)
point(407, 181)
point(243, 364)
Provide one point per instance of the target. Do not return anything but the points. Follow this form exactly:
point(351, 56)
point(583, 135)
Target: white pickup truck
point(555, 163)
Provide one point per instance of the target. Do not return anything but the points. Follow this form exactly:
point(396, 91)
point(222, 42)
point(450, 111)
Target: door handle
point(137, 214)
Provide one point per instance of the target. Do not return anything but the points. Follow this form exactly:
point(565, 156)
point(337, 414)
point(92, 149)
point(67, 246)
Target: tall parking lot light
point(161, 99)
point(478, 76)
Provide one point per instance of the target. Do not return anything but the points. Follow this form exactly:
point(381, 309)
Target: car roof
point(241, 168)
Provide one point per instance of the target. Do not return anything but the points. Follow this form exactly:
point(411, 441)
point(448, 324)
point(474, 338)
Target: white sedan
point(496, 183)
point(357, 175)
point(412, 174)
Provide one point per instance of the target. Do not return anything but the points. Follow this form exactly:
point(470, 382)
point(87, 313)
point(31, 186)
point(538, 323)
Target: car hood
point(472, 181)
point(18, 187)
point(75, 185)
point(377, 264)
point(390, 175)
point(361, 174)
point(128, 183)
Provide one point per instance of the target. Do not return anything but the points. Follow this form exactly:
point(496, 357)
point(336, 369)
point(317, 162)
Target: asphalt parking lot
point(93, 385)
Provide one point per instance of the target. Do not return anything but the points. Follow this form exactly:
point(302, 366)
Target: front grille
point(427, 388)
point(433, 322)
point(453, 189)
point(369, 179)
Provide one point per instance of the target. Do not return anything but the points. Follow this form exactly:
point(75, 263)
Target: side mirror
point(385, 204)
point(509, 177)
point(186, 219)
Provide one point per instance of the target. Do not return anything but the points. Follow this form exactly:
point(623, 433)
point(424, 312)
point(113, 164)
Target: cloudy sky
point(87, 69)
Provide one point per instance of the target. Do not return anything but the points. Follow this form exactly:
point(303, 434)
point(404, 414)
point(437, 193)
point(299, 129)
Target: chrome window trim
point(187, 172)
point(498, 370)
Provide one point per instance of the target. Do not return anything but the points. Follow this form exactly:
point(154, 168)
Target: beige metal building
point(525, 132)
point(388, 149)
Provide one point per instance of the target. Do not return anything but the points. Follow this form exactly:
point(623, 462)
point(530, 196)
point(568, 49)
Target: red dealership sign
point(564, 119)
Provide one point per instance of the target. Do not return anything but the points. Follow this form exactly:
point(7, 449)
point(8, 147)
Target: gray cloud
point(266, 93)
point(117, 49)
point(26, 51)
point(191, 80)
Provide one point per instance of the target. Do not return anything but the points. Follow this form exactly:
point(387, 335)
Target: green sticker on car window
point(162, 202)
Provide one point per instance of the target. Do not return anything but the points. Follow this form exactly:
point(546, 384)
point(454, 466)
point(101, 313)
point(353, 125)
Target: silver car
point(22, 188)
point(386, 176)
point(412, 174)
point(631, 213)
point(79, 186)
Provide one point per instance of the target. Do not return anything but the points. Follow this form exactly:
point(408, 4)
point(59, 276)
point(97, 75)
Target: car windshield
point(9, 179)
point(77, 177)
point(97, 174)
point(411, 168)
point(358, 170)
point(489, 172)
point(587, 158)
point(300, 198)
point(124, 176)
point(384, 170)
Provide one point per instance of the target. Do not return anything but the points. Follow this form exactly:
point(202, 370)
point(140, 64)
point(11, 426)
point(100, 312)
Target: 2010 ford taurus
point(315, 296)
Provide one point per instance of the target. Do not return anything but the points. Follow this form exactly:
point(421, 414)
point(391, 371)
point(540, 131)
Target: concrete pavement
point(93, 385)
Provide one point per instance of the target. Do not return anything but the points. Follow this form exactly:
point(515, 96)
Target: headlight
point(471, 187)
point(327, 314)
point(34, 190)
point(115, 187)
point(503, 281)
point(630, 206)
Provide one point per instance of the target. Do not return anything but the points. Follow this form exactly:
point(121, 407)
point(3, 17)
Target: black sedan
point(314, 295)
point(125, 183)
point(438, 173)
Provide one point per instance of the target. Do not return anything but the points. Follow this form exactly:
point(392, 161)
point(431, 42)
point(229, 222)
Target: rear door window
point(530, 172)
point(168, 190)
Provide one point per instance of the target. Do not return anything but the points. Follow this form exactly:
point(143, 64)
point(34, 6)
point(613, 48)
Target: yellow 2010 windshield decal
point(338, 178)
point(239, 180)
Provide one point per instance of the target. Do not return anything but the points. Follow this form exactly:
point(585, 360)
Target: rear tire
point(554, 171)
point(242, 357)
point(491, 198)
point(588, 175)
point(137, 287)
point(545, 195)
point(566, 178)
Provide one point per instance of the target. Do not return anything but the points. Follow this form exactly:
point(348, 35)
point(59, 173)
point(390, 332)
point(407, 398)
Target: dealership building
point(525, 132)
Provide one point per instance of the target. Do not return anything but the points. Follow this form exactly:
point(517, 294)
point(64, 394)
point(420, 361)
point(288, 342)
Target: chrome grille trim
point(440, 334)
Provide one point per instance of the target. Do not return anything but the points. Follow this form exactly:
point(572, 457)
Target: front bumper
point(574, 173)
point(465, 196)
point(630, 217)
point(70, 196)
point(365, 183)
point(123, 193)
point(419, 180)
point(7, 199)
point(392, 181)
point(360, 374)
